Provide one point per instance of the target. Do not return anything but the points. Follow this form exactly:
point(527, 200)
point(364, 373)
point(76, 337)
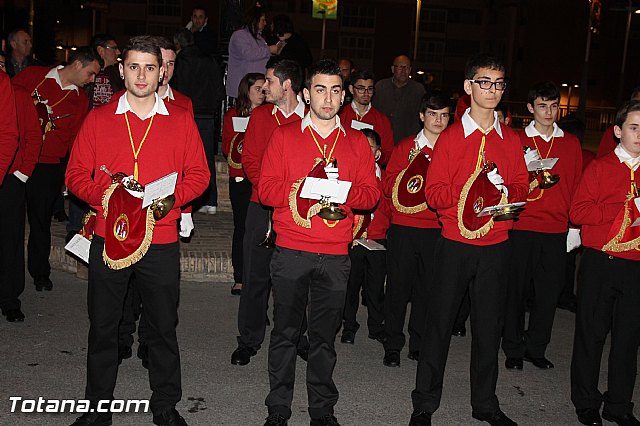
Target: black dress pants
point(12, 196)
point(608, 301)
point(239, 194)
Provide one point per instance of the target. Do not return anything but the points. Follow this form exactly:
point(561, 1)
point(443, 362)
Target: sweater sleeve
point(243, 45)
point(252, 150)
point(586, 208)
point(518, 185)
point(364, 193)
point(30, 132)
point(386, 135)
point(274, 183)
point(8, 120)
point(227, 131)
point(195, 172)
point(394, 167)
point(440, 192)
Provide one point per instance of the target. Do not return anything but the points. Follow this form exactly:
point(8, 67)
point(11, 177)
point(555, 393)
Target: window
point(357, 48)
point(165, 7)
point(433, 20)
point(430, 52)
point(357, 16)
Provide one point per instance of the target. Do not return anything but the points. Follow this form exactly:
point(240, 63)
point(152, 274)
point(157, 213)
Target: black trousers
point(41, 191)
point(409, 274)
point(539, 259)
point(302, 282)
point(132, 311)
point(239, 194)
point(458, 267)
point(368, 271)
point(608, 300)
point(12, 196)
point(158, 281)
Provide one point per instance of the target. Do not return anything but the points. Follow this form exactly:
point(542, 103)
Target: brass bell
point(506, 213)
point(331, 211)
point(163, 206)
point(548, 180)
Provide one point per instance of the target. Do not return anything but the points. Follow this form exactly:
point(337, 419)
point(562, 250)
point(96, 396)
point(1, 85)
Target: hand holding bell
point(162, 206)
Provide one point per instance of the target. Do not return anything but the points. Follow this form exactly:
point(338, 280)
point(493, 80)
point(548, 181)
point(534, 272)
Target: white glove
point(531, 155)
point(186, 225)
point(23, 178)
point(573, 239)
point(332, 172)
point(137, 194)
point(497, 181)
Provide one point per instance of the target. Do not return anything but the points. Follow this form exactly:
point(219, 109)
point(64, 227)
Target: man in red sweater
point(361, 114)
point(470, 260)
point(608, 292)
point(62, 108)
point(142, 136)
point(539, 241)
point(310, 266)
point(609, 141)
point(281, 88)
point(413, 233)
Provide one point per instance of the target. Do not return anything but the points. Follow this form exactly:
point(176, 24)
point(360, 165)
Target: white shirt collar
point(625, 157)
point(158, 107)
point(471, 126)
point(168, 94)
point(54, 74)
point(299, 109)
point(306, 121)
point(422, 141)
point(531, 131)
point(355, 109)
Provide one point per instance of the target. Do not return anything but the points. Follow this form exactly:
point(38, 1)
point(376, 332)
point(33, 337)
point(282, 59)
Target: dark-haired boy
point(413, 232)
point(465, 257)
point(539, 241)
point(608, 292)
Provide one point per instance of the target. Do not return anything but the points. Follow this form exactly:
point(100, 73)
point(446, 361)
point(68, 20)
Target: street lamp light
point(415, 40)
point(570, 87)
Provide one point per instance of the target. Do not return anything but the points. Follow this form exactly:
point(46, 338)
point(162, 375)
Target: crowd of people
point(346, 191)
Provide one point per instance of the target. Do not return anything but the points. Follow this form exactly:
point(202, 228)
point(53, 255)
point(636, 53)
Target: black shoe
point(93, 419)
point(624, 420)
point(328, 420)
point(494, 419)
point(413, 355)
point(459, 331)
point(14, 315)
point(542, 362)
point(143, 354)
point(513, 363)
point(380, 337)
point(420, 418)
point(275, 420)
point(568, 305)
point(236, 291)
point(124, 352)
point(169, 417)
point(589, 416)
point(303, 353)
point(391, 359)
point(242, 355)
point(61, 216)
point(348, 336)
point(42, 283)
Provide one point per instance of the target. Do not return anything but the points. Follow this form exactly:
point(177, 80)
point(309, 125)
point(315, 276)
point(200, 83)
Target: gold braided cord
point(615, 245)
point(396, 202)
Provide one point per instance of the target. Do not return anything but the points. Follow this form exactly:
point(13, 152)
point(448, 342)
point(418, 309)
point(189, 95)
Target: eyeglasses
point(111, 47)
point(487, 84)
point(362, 89)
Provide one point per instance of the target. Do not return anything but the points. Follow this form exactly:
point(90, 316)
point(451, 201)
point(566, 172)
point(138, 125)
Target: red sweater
point(598, 200)
point(8, 124)
point(227, 136)
point(607, 143)
point(454, 160)
point(30, 134)
point(377, 229)
point(550, 213)
point(256, 139)
point(173, 144)
point(398, 162)
point(58, 142)
point(381, 125)
point(290, 156)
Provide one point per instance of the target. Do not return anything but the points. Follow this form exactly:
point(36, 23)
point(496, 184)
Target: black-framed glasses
point(486, 84)
point(362, 89)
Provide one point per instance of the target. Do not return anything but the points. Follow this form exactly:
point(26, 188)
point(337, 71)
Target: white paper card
point(637, 203)
point(316, 188)
point(546, 164)
point(359, 125)
point(240, 124)
point(488, 210)
point(79, 246)
point(370, 244)
point(159, 189)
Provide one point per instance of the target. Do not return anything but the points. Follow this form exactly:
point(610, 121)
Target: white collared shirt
point(168, 94)
point(54, 74)
point(531, 131)
point(299, 109)
point(422, 141)
point(471, 126)
point(625, 157)
point(306, 121)
point(158, 107)
point(355, 109)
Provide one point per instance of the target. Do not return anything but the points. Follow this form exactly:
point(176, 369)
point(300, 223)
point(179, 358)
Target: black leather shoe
point(328, 420)
point(568, 305)
point(14, 315)
point(589, 416)
point(42, 283)
point(348, 336)
point(124, 352)
point(242, 355)
point(420, 418)
point(143, 354)
point(413, 355)
point(391, 359)
point(236, 291)
point(303, 353)
point(513, 363)
point(624, 420)
point(542, 362)
point(380, 337)
point(459, 331)
point(494, 419)
point(169, 417)
point(275, 420)
point(93, 419)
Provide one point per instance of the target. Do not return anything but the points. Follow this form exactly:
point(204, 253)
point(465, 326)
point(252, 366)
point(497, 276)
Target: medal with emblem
point(234, 159)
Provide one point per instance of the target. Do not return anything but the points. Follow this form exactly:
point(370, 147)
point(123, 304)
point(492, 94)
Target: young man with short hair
point(474, 159)
point(310, 265)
